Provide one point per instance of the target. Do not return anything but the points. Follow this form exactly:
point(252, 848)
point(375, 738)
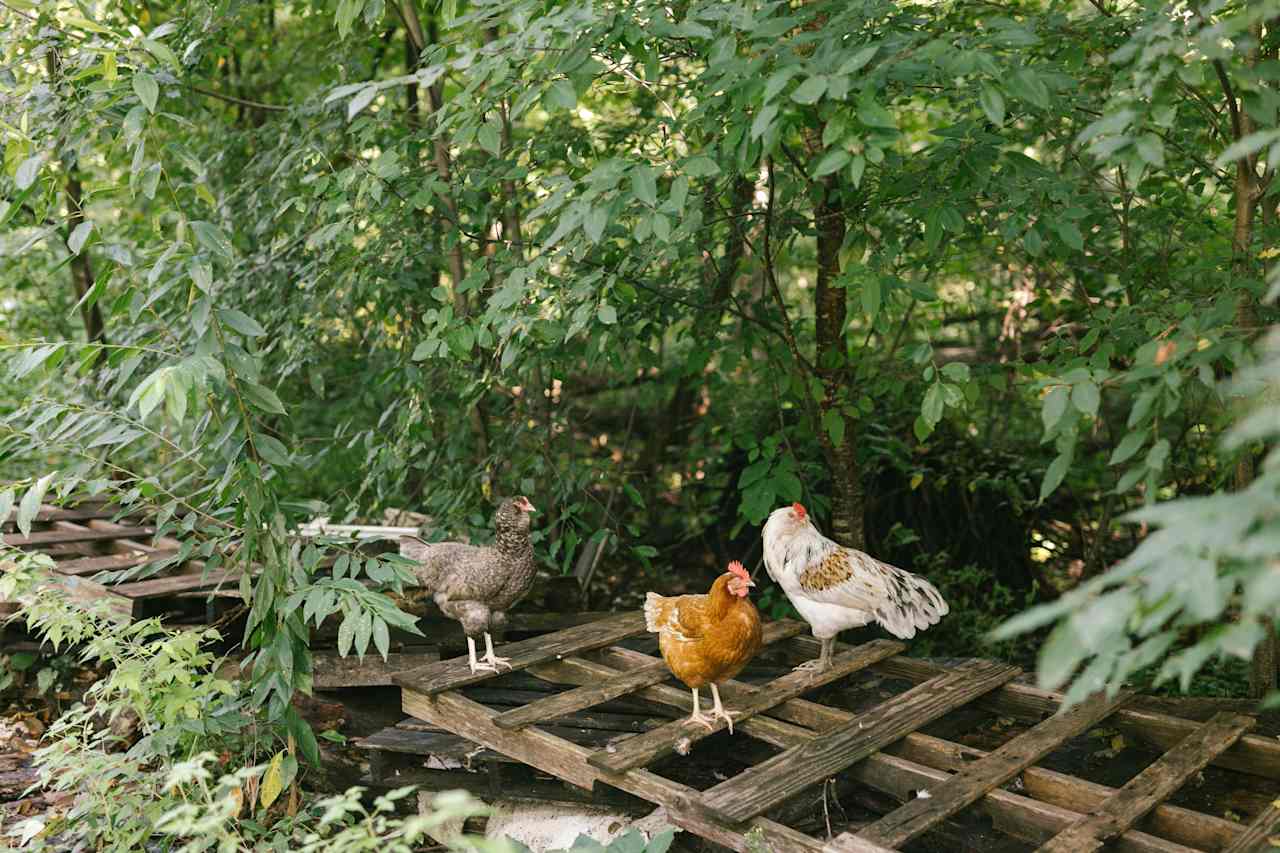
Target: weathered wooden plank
point(641, 749)
point(1016, 815)
point(591, 694)
point(849, 843)
point(330, 670)
point(771, 782)
point(114, 562)
point(970, 784)
point(1160, 779)
point(50, 514)
point(1181, 826)
point(1151, 725)
point(586, 696)
point(568, 761)
point(157, 587)
point(454, 673)
point(1256, 838)
point(58, 537)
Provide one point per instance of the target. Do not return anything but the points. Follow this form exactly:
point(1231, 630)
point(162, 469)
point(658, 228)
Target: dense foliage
point(968, 280)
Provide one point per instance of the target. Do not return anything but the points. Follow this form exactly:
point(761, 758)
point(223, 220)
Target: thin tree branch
point(788, 332)
point(232, 99)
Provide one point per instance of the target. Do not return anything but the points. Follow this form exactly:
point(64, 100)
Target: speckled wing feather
point(901, 602)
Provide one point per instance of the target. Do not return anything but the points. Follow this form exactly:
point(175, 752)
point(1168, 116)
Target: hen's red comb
point(798, 509)
point(736, 568)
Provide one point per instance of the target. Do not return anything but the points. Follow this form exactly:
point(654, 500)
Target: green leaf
point(30, 505)
point(147, 90)
point(644, 185)
point(833, 423)
point(261, 397)
point(78, 237)
point(832, 161)
point(1151, 149)
point(856, 168)
point(607, 314)
point(1247, 145)
point(871, 296)
point(810, 91)
point(1086, 397)
point(490, 138)
point(1070, 234)
point(934, 401)
point(956, 371)
point(594, 223)
point(1054, 407)
point(28, 169)
point(992, 103)
point(561, 94)
point(362, 99)
point(871, 113)
point(212, 238)
point(760, 125)
point(1054, 475)
point(701, 167)
point(381, 637)
point(858, 60)
point(1059, 657)
point(1129, 445)
point(241, 322)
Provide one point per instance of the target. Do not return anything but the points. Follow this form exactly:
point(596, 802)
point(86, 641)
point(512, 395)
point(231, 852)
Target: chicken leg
point(718, 711)
point(492, 659)
point(478, 665)
point(697, 716)
point(822, 662)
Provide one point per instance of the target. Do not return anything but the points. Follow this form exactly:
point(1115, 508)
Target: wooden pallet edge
point(567, 761)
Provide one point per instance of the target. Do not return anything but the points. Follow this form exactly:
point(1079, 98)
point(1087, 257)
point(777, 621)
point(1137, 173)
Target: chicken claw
point(478, 666)
point(702, 719)
point(492, 659)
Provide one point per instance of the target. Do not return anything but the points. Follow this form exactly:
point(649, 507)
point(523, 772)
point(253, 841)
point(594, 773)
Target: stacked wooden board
point(581, 730)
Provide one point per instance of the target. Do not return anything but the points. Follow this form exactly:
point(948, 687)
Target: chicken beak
point(528, 507)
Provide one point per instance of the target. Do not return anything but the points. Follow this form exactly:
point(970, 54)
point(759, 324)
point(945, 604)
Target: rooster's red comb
point(736, 568)
point(798, 509)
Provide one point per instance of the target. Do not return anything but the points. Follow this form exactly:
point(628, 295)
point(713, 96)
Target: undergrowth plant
point(163, 752)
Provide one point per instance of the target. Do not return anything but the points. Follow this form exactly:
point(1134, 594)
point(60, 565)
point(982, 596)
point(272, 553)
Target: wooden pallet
point(786, 746)
point(85, 542)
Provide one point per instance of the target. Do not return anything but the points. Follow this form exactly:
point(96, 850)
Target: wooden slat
point(330, 670)
point(641, 749)
point(767, 784)
point(1013, 814)
point(1256, 838)
point(846, 843)
point(585, 696)
point(1182, 826)
point(970, 784)
point(1253, 754)
point(589, 695)
point(57, 537)
point(567, 761)
point(114, 562)
point(49, 514)
point(1160, 779)
point(157, 587)
point(455, 673)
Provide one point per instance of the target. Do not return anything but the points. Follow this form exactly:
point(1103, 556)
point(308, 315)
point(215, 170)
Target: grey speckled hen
point(478, 585)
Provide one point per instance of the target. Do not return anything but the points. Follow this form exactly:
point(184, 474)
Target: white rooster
point(835, 587)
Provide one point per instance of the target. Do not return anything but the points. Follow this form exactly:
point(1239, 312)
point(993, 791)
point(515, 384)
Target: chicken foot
point(479, 665)
point(718, 711)
point(822, 662)
point(697, 716)
point(490, 658)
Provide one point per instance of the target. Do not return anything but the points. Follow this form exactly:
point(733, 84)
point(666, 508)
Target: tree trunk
point(848, 500)
point(81, 268)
